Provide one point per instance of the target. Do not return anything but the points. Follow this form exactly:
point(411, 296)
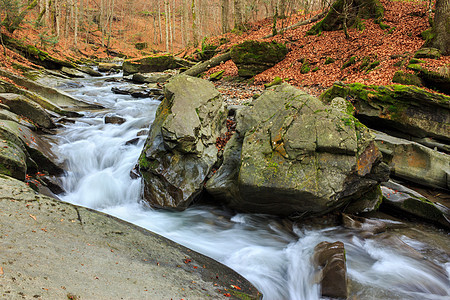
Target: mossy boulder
point(408, 109)
point(12, 160)
point(23, 106)
point(437, 80)
point(140, 46)
point(357, 10)
point(432, 53)
point(293, 155)
point(404, 200)
point(401, 77)
point(151, 64)
point(38, 152)
point(253, 57)
point(180, 150)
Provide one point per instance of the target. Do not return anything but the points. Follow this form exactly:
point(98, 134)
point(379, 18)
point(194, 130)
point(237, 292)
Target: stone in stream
point(400, 198)
point(293, 156)
point(180, 150)
point(332, 276)
point(114, 119)
point(71, 72)
point(107, 67)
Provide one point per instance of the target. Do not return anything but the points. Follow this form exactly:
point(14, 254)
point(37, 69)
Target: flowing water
point(276, 259)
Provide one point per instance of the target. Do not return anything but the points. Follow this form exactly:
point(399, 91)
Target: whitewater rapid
point(275, 258)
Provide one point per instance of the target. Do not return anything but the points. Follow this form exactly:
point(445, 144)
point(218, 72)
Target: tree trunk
point(238, 21)
point(440, 32)
point(194, 24)
point(202, 67)
point(225, 13)
point(159, 22)
point(166, 19)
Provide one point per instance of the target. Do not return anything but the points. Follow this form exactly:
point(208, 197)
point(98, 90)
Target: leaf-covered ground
point(384, 48)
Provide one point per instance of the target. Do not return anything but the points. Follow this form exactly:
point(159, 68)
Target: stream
point(274, 257)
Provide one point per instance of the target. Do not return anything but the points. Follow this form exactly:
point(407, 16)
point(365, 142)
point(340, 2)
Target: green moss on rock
point(253, 57)
point(351, 61)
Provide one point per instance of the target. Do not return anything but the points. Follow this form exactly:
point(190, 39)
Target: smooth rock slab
point(53, 250)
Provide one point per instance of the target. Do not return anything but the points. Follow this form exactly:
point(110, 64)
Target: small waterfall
point(276, 260)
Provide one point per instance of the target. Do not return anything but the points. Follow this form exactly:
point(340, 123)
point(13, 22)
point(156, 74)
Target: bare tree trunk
point(194, 25)
point(57, 18)
point(166, 19)
point(159, 22)
point(225, 13)
point(174, 37)
point(75, 33)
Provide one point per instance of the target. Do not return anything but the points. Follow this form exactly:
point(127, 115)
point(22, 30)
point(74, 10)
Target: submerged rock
point(180, 150)
point(292, 155)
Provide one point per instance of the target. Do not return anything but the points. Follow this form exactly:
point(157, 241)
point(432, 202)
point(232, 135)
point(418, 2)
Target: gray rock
point(38, 152)
point(294, 155)
point(330, 260)
point(152, 77)
point(414, 162)
point(107, 67)
point(12, 159)
point(71, 72)
point(401, 198)
point(58, 250)
point(180, 150)
point(23, 106)
point(90, 71)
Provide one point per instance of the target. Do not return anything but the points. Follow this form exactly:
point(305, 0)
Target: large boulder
point(292, 155)
point(253, 57)
point(414, 162)
point(180, 150)
point(23, 106)
point(154, 64)
point(407, 109)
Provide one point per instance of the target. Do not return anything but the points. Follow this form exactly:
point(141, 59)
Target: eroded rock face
point(294, 155)
point(330, 259)
point(253, 57)
point(180, 149)
point(414, 162)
